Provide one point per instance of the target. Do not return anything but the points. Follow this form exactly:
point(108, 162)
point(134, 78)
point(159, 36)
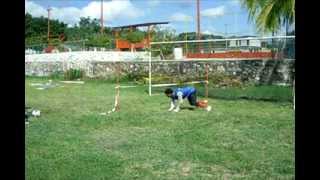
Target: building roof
point(139, 25)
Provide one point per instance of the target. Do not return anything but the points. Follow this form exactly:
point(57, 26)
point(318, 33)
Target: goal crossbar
point(221, 40)
point(175, 84)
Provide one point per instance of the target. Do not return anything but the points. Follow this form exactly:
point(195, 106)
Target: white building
point(245, 43)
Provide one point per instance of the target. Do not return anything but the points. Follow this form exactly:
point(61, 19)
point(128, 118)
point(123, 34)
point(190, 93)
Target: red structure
point(49, 49)
point(123, 45)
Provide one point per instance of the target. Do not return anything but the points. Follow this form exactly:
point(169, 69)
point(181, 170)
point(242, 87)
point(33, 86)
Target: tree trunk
point(272, 47)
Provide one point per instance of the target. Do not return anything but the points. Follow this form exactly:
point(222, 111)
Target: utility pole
point(101, 17)
point(226, 30)
point(198, 23)
point(226, 33)
point(49, 9)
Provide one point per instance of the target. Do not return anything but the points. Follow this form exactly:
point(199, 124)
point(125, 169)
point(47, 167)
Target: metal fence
point(249, 47)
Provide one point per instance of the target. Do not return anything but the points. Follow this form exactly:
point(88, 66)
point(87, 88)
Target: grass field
point(239, 139)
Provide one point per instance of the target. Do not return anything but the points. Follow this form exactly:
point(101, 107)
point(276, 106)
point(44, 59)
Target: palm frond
point(269, 15)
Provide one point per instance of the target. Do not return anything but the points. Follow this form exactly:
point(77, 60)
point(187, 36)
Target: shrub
point(56, 75)
point(73, 74)
point(223, 80)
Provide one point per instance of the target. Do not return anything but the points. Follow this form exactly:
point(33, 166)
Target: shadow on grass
point(188, 108)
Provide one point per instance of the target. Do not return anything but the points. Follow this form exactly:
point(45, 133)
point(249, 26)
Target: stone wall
point(88, 56)
point(255, 71)
point(46, 64)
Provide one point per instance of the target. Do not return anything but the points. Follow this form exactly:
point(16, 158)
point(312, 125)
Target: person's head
point(168, 92)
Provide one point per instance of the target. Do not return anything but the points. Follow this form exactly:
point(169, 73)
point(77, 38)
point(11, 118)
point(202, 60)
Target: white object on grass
point(36, 84)
point(36, 112)
point(177, 109)
point(209, 108)
point(125, 87)
point(113, 110)
point(103, 114)
point(171, 106)
point(73, 82)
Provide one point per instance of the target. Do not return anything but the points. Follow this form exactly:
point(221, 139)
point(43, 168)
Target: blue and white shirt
point(182, 93)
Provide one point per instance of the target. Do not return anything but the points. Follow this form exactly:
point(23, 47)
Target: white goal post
point(199, 41)
point(219, 40)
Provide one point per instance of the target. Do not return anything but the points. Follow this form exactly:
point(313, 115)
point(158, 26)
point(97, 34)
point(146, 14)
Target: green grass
point(239, 139)
point(265, 93)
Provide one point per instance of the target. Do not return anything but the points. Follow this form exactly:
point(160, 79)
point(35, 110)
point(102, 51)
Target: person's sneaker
point(209, 108)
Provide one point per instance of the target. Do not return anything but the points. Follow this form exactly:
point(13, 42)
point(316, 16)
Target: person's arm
point(180, 101)
point(172, 105)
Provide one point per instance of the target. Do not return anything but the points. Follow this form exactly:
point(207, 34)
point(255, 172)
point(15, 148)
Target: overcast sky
point(217, 16)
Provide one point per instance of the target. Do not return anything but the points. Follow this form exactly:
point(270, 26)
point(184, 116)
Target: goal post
point(150, 78)
point(267, 47)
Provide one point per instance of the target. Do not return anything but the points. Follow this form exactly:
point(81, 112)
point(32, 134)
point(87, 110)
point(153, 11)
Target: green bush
point(99, 40)
point(73, 74)
point(132, 37)
point(136, 76)
point(56, 75)
point(223, 80)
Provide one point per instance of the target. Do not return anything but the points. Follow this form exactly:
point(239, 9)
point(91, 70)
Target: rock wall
point(255, 71)
point(88, 56)
point(46, 64)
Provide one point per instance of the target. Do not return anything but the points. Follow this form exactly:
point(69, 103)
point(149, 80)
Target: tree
point(133, 37)
point(84, 22)
point(36, 29)
point(100, 40)
point(270, 15)
point(166, 34)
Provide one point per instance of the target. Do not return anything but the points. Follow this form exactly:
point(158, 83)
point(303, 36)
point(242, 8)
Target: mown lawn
point(239, 139)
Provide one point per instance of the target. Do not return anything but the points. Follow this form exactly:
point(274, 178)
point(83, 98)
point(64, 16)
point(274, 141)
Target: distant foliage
point(135, 36)
point(223, 80)
point(99, 40)
point(73, 74)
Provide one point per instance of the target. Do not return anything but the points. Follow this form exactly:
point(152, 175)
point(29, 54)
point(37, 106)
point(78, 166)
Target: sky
point(218, 17)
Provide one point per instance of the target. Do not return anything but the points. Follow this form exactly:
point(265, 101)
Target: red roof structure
point(123, 44)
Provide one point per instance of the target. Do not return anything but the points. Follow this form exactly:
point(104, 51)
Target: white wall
point(88, 56)
point(255, 43)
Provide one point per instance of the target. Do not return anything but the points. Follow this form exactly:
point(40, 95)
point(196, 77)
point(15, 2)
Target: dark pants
point(193, 99)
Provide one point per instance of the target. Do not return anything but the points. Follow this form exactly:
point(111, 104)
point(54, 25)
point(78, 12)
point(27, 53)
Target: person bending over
point(179, 94)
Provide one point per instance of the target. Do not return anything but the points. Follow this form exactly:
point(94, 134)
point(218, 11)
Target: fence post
point(150, 72)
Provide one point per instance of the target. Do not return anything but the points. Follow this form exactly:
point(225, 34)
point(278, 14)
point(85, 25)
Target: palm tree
point(270, 15)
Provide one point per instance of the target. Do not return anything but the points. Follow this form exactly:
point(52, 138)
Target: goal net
point(234, 67)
